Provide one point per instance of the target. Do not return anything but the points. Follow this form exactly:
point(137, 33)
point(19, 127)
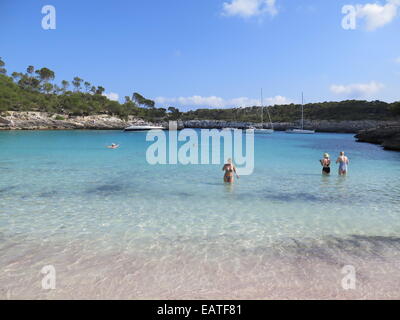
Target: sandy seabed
point(306, 270)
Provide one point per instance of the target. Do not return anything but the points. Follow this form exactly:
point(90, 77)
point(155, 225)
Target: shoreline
point(32, 120)
point(385, 133)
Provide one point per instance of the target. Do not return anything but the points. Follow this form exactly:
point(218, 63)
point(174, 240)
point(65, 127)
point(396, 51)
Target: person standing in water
point(343, 164)
point(230, 170)
point(326, 164)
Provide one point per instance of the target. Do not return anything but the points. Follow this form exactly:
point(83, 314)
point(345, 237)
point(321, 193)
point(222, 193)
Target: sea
point(81, 221)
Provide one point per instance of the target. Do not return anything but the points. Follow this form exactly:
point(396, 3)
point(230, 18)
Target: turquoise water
point(69, 201)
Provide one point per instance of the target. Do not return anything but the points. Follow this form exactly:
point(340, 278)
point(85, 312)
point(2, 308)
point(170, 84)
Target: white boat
point(143, 128)
point(301, 130)
point(266, 131)
point(262, 130)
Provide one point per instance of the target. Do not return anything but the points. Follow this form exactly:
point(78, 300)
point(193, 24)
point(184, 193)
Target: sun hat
point(326, 155)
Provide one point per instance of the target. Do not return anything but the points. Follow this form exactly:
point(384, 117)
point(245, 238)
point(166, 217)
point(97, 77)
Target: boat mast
point(262, 110)
point(302, 111)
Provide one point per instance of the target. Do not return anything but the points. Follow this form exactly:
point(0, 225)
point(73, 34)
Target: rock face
point(319, 126)
point(215, 124)
point(13, 120)
point(387, 136)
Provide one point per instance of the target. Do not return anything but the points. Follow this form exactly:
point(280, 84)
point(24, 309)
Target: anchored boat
point(301, 130)
point(262, 130)
point(143, 128)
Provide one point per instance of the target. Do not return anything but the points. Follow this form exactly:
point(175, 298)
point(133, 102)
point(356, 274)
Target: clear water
point(115, 227)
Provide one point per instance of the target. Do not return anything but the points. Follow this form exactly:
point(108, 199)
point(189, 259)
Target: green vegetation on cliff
point(338, 111)
point(36, 90)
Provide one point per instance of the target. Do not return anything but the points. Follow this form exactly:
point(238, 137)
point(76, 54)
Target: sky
point(212, 53)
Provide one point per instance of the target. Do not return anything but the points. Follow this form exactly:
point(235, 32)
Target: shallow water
point(115, 227)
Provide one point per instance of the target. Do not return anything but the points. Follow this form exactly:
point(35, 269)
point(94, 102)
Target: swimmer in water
point(113, 146)
point(343, 164)
point(230, 170)
point(326, 164)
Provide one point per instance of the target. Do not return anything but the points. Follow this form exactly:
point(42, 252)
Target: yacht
point(301, 130)
point(143, 128)
point(262, 130)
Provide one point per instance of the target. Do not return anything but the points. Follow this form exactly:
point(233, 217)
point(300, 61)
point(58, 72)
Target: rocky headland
point(387, 136)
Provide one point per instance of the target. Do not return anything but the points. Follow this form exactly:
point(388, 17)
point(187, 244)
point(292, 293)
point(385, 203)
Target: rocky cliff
point(387, 136)
point(13, 120)
point(319, 126)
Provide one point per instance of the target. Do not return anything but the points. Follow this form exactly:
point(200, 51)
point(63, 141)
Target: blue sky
point(217, 53)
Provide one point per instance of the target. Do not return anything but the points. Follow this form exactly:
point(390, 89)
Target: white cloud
point(356, 90)
point(377, 15)
point(278, 100)
point(218, 102)
point(397, 60)
point(112, 96)
point(249, 8)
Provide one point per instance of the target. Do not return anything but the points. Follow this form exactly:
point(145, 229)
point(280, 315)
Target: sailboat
point(301, 130)
point(262, 130)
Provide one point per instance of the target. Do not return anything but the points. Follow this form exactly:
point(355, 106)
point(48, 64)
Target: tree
point(30, 70)
point(395, 108)
point(2, 69)
point(45, 74)
point(16, 76)
point(174, 113)
point(47, 87)
point(100, 90)
point(65, 85)
point(77, 83)
point(142, 101)
point(138, 98)
point(87, 86)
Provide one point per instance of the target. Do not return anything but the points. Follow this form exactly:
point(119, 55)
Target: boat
point(143, 128)
point(262, 130)
point(301, 130)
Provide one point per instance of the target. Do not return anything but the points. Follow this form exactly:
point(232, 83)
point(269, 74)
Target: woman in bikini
point(230, 170)
point(326, 164)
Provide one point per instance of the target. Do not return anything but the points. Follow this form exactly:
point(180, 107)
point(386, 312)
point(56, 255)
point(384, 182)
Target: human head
point(326, 156)
point(229, 161)
point(342, 153)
